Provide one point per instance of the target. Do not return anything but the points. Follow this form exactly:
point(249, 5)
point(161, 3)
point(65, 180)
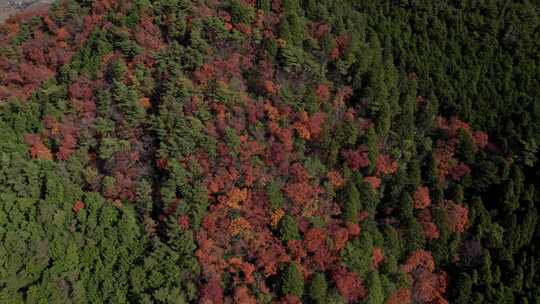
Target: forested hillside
point(270, 151)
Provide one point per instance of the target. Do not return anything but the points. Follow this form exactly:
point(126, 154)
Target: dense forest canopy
point(270, 151)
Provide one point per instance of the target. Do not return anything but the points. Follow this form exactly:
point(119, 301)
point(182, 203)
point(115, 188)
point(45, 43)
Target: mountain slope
point(270, 152)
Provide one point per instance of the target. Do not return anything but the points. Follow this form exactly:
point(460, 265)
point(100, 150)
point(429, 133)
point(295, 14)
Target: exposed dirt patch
point(11, 7)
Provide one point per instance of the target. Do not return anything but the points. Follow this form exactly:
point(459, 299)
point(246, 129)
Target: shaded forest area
point(270, 151)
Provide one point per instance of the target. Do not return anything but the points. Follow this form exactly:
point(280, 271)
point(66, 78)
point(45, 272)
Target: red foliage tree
point(62, 34)
point(270, 87)
point(354, 229)
point(301, 192)
point(161, 163)
point(363, 215)
point(374, 181)
point(428, 287)
point(270, 255)
point(400, 296)
point(209, 256)
point(204, 73)
point(230, 67)
point(341, 236)
point(242, 295)
point(319, 29)
point(322, 92)
point(444, 160)
point(421, 198)
point(101, 6)
point(324, 258)
point(285, 135)
point(348, 284)
point(342, 96)
point(34, 51)
point(315, 124)
point(68, 142)
point(458, 216)
point(480, 139)
point(456, 125)
point(377, 257)
point(183, 222)
point(211, 292)
point(334, 54)
point(419, 258)
point(78, 206)
point(451, 127)
point(148, 34)
point(356, 159)
point(243, 28)
point(64, 153)
point(35, 74)
point(81, 89)
point(335, 179)
point(237, 266)
point(343, 41)
point(385, 165)
point(314, 239)
point(299, 173)
point(297, 250)
point(290, 299)
point(431, 231)
point(37, 148)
